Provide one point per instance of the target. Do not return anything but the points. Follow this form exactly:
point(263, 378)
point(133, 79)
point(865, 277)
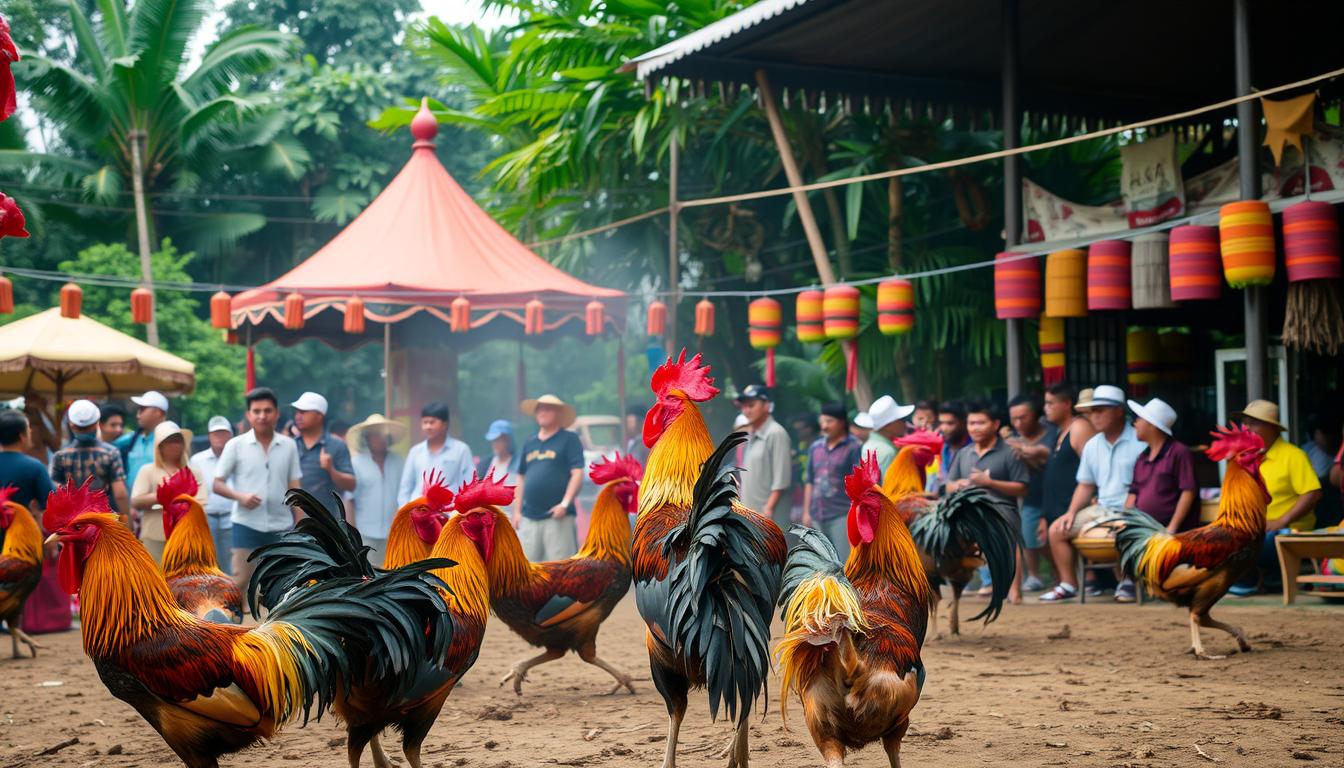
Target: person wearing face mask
point(170, 457)
point(87, 456)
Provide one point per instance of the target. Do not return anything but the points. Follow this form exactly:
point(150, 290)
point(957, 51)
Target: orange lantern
point(142, 306)
point(534, 317)
point(895, 307)
point(459, 315)
point(294, 311)
point(1246, 238)
point(594, 318)
point(72, 298)
point(220, 311)
point(1066, 283)
point(6, 296)
point(809, 314)
point(840, 315)
point(764, 318)
point(704, 318)
point(354, 315)
point(657, 318)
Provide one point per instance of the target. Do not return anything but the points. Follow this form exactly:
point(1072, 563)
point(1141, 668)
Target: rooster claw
point(33, 645)
point(517, 676)
point(626, 682)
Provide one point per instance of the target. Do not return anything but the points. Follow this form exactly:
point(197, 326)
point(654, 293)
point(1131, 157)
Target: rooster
point(20, 567)
point(1194, 569)
point(854, 632)
point(706, 569)
point(189, 558)
point(210, 689)
point(416, 526)
point(323, 547)
point(560, 605)
point(956, 535)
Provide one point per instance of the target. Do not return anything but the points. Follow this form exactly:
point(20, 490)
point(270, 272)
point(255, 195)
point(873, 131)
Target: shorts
point(549, 538)
point(1031, 518)
point(250, 538)
point(1091, 517)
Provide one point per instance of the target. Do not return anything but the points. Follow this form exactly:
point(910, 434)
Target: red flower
point(8, 55)
point(11, 218)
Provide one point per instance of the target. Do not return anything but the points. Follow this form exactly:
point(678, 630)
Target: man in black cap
point(767, 459)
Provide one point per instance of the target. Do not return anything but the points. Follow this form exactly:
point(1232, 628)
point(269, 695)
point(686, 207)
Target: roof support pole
point(673, 247)
point(1248, 167)
point(1012, 183)
point(863, 391)
point(387, 370)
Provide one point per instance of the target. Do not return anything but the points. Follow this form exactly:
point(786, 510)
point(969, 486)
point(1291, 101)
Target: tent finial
point(424, 126)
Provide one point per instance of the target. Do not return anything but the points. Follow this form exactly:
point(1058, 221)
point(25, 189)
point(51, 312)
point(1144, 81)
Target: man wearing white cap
point(324, 460)
point(888, 423)
point(137, 448)
point(218, 510)
point(87, 457)
point(1105, 475)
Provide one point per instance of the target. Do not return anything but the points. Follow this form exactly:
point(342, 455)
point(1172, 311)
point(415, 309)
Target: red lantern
point(1108, 277)
point(220, 311)
point(1017, 286)
point(594, 318)
point(142, 306)
point(459, 316)
point(534, 317)
point(72, 298)
point(895, 307)
point(294, 311)
point(657, 318)
point(1311, 241)
point(810, 314)
point(764, 332)
point(354, 315)
point(704, 318)
point(1195, 266)
point(6, 296)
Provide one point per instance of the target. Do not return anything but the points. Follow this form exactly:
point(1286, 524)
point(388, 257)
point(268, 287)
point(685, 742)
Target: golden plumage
point(674, 462)
point(823, 608)
point(191, 549)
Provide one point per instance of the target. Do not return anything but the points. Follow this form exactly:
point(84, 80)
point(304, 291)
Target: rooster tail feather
point(1141, 543)
point(322, 546)
point(971, 517)
point(723, 592)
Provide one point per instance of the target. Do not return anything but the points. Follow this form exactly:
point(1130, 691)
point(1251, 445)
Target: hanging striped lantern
point(1108, 275)
point(220, 311)
point(459, 315)
point(1311, 241)
point(895, 307)
point(534, 317)
point(1050, 337)
point(1195, 264)
point(72, 299)
point(594, 317)
point(294, 311)
point(142, 306)
point(657, 318)
point(1017, 286)
point(6, 296)
point(1149, 272)
point(1066, 283)
point(354, 315)
point(809, 314)
point(1142, 359)
point(764, 330)
point(704, 318)
point(1246, 239)
point(840, 312)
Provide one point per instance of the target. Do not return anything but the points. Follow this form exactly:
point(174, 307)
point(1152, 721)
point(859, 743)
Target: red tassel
point(6, 296)
point(72, 299)
point(354, 315)
point(704, 318)
point(459, 316)
point(657, 318)
point(142, 306)
point(770, 367)
point(851, 365)
point(294, 312)
point(220, 311)
point(251, 375)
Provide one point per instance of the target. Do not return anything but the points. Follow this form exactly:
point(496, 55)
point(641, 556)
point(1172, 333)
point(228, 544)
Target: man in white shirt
point(378, 471)
point(439, 452)
point(218, 510)
point(255, 470)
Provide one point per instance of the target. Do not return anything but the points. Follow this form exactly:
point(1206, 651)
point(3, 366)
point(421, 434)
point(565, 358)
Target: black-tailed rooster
point(560, 605)
point(1194, 569)
point(210, 689)
point(707, 570)
point(20, 567)
point(189, 558)
point(854, 632)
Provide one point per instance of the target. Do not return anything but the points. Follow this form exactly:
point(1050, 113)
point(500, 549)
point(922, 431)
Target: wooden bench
point(1294, 548)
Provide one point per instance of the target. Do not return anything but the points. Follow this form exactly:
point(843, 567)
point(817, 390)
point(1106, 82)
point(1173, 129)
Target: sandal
point(1058, 594)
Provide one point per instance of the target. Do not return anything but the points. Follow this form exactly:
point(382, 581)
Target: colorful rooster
point(707, 570)
point(189, 558)
point(416, 526)
point(20, 567)
point(1194, 569)
point(210, 689)
point(560, 605)
point(854, 632)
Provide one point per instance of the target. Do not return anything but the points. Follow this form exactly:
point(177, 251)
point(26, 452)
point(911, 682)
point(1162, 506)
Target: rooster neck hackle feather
point(468, 586)
point(674, 462)
point(190, 548)
point(905, 476)
point(509, 572)
point(608, 529)
point(403, 545)
point(891, 556)
point(23, 539)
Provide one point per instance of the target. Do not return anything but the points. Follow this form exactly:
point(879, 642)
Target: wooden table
point(1294, 548)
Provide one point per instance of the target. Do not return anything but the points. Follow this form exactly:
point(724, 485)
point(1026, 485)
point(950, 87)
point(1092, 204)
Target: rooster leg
point(1196, 645)
point(673, 687)
point(738, 759)
point(832, 752)
point(519, 672)
point(622, 680)
point(17, 636)
point(379, 756)
point(892, 744)
point(1205, 620)
point(954, 611)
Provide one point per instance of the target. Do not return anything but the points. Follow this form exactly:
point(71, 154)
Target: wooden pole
point(387, 370)
point(1248, 154)
point(863, 391)
point(137, 138)
point(673, 252)
point(1012, 183)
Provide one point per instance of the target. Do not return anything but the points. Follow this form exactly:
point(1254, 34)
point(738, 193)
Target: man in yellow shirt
point(1294, 489)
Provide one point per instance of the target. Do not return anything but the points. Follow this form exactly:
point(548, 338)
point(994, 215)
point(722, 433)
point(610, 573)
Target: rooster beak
point(52, 538)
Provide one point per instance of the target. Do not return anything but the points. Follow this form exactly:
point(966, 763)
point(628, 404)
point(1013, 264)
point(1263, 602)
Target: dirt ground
point(1118, 690)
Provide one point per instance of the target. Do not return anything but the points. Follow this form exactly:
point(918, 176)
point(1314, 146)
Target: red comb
point(922, 437)
point(68, 502)
point(176, 484)
point(7, 493)
point(688, 377)
point(1233, 441)
point(484, 492)
point(621, 468)
point(866, 474)
point(438, 495)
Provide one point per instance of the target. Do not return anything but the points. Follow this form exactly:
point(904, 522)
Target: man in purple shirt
point(1164, 475)
point(830, 458)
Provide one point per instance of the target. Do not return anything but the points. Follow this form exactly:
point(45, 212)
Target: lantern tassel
point(851, 365)
point(770, 367)
point(1313, 319)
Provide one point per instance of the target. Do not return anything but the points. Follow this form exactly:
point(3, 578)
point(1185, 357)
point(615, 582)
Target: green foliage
point(182, 330)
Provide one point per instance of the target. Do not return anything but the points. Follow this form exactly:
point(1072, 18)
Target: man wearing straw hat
point(378, 467)
point(549, 477)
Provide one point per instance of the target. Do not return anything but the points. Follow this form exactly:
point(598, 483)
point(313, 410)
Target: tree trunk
point(142, 227)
